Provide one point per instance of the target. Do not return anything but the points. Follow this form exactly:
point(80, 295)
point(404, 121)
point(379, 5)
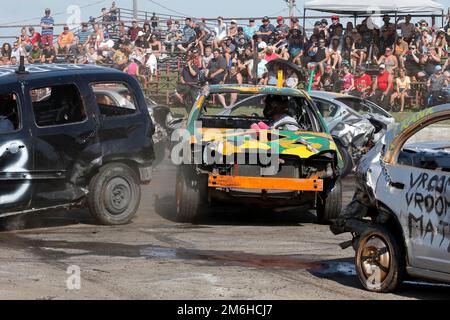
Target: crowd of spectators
point(384, 63)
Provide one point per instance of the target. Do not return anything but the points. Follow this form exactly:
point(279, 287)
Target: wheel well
point(133, 165)
point(390, 221)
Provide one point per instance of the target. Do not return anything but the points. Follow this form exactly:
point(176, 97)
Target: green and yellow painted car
point(237, 156)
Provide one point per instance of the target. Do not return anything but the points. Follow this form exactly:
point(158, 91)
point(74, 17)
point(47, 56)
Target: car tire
point(114, 194)
point(330, 206)
point(378, 250)
point(190, 195)
point(346, 159)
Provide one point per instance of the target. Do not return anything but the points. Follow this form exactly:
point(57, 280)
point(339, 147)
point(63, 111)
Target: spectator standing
point(407, 29)
point(382, 87)
point(154, 22)
point(47, 24)
point(113, 12)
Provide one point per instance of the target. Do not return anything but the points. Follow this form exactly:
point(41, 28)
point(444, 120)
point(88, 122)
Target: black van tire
point(330, 205)
point(114, 194)
point(381, 241)
point(346, 159)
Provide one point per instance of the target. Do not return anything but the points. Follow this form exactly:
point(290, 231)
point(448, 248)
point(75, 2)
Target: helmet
point(276, 104)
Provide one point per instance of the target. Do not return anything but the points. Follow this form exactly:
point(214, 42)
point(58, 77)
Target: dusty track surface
point(231, 255)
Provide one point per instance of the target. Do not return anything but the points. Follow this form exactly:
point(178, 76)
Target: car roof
point(253, 89)
point(40, 71)
point(328, 95)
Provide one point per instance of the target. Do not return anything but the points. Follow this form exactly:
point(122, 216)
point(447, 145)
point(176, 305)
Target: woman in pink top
point(349, 82)
point(133, 70)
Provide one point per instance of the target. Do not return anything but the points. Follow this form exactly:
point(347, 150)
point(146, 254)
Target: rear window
point(9, 113)
point(57, 105)
point(114, 99)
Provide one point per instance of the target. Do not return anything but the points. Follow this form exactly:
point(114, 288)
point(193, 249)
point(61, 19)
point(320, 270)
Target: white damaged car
point(400, 214)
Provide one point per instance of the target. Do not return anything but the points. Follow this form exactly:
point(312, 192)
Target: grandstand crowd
point(392, 64)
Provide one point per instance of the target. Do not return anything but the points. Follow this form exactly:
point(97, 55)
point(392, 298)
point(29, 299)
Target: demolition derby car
point(400, 213)
point(73, 135)
point(274, 151)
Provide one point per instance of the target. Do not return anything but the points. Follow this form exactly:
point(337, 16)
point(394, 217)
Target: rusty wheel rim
point(376, 258)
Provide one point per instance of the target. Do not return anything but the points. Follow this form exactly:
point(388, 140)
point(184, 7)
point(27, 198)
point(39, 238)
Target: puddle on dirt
point(337, 267)
point(58, 250)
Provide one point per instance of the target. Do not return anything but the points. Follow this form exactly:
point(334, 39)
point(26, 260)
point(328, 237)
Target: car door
point(418, 191)
point(65, 140)
point(16, 152)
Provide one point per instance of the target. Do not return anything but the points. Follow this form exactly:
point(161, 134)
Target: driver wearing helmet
point(278, 110)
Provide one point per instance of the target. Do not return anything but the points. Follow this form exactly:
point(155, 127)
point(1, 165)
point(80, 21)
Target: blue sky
point(23, 11)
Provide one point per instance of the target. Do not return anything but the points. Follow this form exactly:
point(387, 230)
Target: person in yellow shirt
point(65, 40)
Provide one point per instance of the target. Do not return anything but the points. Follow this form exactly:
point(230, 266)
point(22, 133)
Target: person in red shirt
point(270, 54)
point(363, 82)
point(35, 36)
point(382, 87)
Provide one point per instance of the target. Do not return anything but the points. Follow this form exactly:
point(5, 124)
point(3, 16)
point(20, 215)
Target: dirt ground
point(240, 254)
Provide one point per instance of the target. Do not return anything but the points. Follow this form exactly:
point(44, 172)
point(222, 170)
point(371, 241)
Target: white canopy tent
point(380, 6)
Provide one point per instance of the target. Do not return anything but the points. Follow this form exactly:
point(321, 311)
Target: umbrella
point(285, 65)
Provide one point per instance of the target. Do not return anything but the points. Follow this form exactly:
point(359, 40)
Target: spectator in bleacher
point(228, 49)
point(35, 54)
point(295, 46)
point(48, 54)
point(346, 51)
point(216, 68)
point(65, 41)
point(203, 35)
point(84, 34)
point(233, 76)
point(188, 36)
point(113, 12)
point(155, 45)
point(402, 89)
point(140, 41)
point(241, 44)
point(400, 48)
point(220, 31)
point(387, 34)
point(261, 69)
point(389, 60)
point(359, 52)
point(98, 34)
point(147, 30)
point(435, 83)
point(189, 77)
point(18, 51)
point(79, 54)
point(266, 30)
point(6, 50)
point(270, 54)
point(232, 30)
point(334, 25)
point(154, 20)
point(207, 57)
point(329, 80)
point(382, 87)
point(134, 30)
point(363, 82)
point(106, 47)
point(407, 29)
point(24, 40)
point(348, 80)
point(151, 64)
point(281, 26)
point(335, 49)
point(47, 24)
point(35, 37)
point(251, 29)
point(106, 18)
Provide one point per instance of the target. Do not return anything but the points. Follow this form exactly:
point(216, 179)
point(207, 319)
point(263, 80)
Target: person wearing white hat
point(382, 87)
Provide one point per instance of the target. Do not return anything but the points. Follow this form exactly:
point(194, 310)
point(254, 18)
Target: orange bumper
point(240, 182)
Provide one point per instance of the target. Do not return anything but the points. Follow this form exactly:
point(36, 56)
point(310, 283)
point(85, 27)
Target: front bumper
point(266, 183)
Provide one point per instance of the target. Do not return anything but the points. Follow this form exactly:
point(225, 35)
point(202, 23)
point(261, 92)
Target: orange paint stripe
point(240, 182)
